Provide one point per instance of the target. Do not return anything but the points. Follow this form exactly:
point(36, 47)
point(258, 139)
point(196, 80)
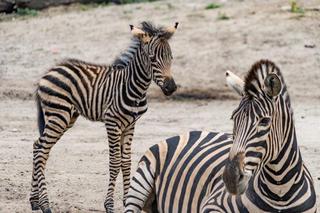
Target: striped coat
point(113, 94)
point(258, 168)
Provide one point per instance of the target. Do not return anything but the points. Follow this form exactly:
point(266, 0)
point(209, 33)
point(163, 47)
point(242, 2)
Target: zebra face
point(254, 141)
point(161, 60)
point(250, 147)
point(155, 44)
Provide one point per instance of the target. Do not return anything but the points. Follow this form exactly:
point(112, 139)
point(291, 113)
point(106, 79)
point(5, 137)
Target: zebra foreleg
point(141, 194)
point(114, 140)
point(126, 160)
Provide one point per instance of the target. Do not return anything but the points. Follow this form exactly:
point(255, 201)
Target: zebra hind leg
point(56, 124)
point(34, 195)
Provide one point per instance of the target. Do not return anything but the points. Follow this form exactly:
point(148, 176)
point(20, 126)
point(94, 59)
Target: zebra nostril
point(241, 176)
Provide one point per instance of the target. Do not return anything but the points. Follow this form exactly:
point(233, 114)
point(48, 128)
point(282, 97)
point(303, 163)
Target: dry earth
point(77, 167)
point(204, 47)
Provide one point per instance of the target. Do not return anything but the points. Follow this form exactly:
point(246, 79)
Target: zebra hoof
point(109, 209)
point(48, 210)
point(35, 206)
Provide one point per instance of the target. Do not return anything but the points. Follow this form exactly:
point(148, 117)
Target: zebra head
point(156, 46)
point(257, 139)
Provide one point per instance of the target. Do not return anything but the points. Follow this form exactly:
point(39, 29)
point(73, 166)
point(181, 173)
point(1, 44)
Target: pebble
point(286, 8)
point(309, 45)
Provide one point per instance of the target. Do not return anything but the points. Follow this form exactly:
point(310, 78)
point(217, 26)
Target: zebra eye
point(265, 121)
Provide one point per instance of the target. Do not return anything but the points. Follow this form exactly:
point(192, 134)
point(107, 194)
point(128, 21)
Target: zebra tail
point(40, 115)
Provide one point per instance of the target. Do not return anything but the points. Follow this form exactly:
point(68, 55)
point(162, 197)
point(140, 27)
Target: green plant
point(212, 6)
point(26, 12)
point(134, 1)
point(295, 8)
point(223, 16)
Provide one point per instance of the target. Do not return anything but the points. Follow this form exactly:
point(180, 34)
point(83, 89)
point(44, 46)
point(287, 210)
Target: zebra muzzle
point(234, 177)
point(169, 86)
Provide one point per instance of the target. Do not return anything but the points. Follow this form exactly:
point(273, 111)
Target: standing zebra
point(115, 95)
point(258, 168)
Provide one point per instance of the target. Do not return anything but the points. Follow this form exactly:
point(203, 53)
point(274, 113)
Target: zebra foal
point(113, 94)
point(258, 168)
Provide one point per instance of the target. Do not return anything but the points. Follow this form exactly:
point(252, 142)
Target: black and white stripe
point(115, 95)
point(258, 168)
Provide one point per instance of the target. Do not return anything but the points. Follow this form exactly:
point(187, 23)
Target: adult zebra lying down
point(114, 94)
point(258, 168)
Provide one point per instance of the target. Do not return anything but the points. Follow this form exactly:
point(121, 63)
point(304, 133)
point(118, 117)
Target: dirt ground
point(203, 47)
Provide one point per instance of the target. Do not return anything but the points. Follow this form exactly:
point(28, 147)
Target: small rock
point(309, 45)
point(286, 8)
point(54, 50)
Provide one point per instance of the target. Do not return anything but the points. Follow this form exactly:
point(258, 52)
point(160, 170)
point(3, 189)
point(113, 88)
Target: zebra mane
point(152, 30)
point(256, 76)
point(258, 72)
point(124, 58)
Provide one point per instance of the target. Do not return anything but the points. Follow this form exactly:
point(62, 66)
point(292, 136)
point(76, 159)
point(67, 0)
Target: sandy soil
point(203, 48)
point(77, 167)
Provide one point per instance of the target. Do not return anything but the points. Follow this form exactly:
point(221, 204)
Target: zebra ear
point(169, 31)
point(234, 82)
point(143, 36)
point(272, 84)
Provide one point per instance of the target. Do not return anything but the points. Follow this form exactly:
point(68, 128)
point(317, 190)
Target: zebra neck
point(282, 177)
point(139, 74)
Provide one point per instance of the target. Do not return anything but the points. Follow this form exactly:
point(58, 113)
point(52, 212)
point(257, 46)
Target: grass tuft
point(212, 6)
point(26, 12)
point(134, 1)
point(295, 8)
point(223, 16)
